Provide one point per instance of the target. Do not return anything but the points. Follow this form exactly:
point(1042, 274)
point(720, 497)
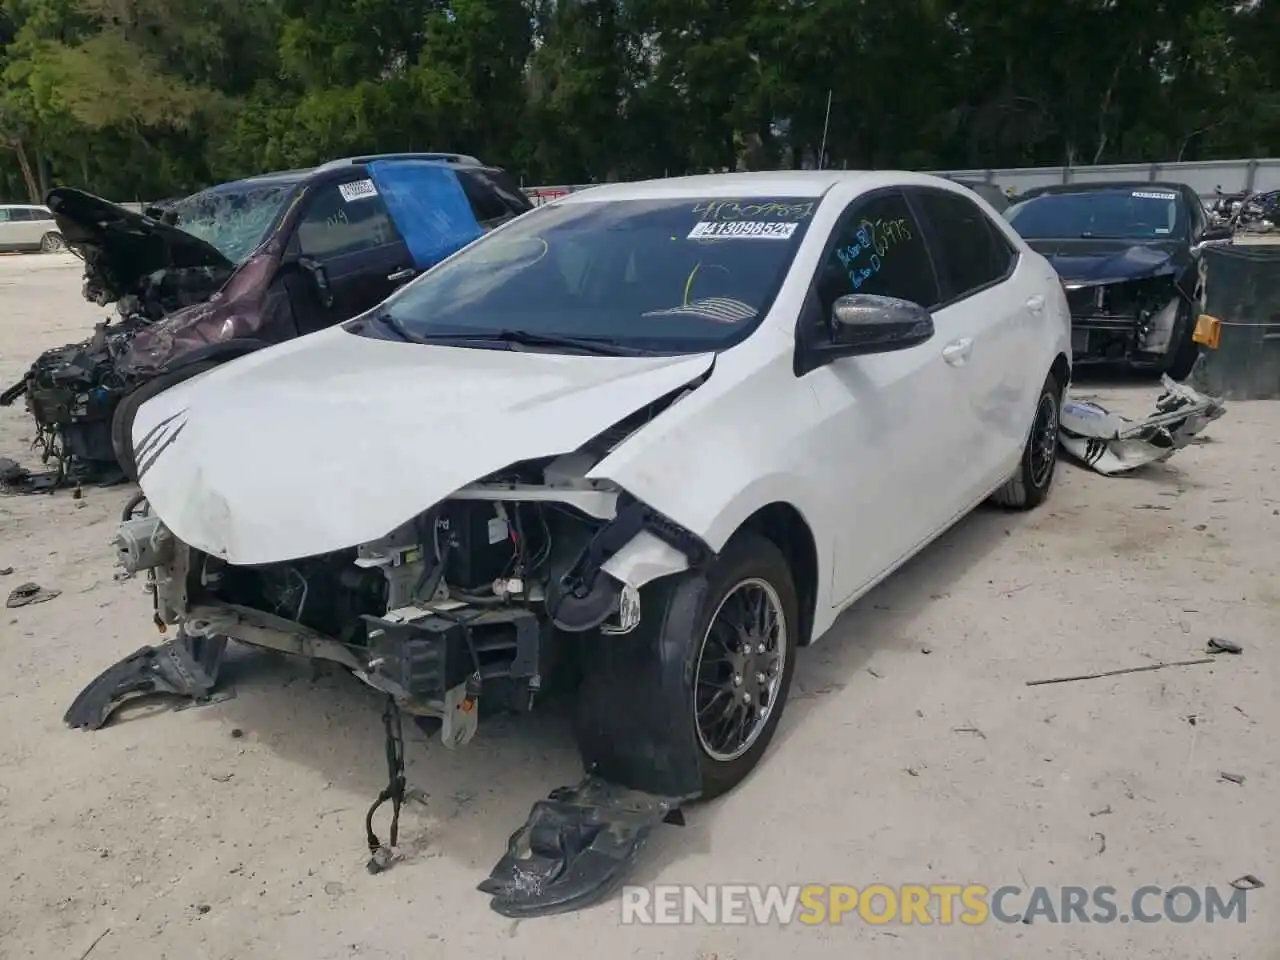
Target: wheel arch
point(1061, 370)
point(783, 525)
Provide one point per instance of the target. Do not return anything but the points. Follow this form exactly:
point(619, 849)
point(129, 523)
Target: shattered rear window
point(1120, 213)
point(671, 275)
point(234, 220)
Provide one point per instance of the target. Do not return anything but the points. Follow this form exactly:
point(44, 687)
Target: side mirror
point(864, 323)
point(320, 278)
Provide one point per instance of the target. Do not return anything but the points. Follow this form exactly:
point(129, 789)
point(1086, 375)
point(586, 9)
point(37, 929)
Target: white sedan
point(647, 440)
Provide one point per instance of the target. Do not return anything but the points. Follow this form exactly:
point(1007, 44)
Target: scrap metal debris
point(1247, 882)
point(1116, 673)
point(1222, 645)
point(29, 593)
point(1112, 444)
point(1232, 778)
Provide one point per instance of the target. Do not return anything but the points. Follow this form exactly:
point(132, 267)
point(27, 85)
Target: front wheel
point(52, 242)
point(746, 636)
point(1029, 485)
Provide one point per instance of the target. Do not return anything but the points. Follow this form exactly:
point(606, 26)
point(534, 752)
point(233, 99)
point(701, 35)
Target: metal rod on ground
point(822, 153)
point(1114, 673)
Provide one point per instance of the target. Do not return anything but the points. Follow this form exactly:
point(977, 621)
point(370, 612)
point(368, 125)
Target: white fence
point(1201, 176)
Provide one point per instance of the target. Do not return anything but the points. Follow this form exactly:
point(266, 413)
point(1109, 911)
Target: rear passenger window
point(488, 207)
point(879, 249)
point(970, 253)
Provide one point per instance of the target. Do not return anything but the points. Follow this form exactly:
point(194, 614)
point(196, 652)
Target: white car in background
point(665, 432)
point(27, 227)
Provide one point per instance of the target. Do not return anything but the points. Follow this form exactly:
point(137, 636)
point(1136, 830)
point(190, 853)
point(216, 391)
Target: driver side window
point(879, 249)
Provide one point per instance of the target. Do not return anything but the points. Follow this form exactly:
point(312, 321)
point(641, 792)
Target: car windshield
point(658, 275)
point(1137, 213)
point(233, 219)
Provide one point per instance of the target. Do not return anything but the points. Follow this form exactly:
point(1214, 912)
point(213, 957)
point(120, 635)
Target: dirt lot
point(912, 750)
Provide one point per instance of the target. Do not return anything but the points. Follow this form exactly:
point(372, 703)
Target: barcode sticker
point(357, 190)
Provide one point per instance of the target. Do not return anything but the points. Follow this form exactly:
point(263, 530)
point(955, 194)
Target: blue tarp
point(428, 205)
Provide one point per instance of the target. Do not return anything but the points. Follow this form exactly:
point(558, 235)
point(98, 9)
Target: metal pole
point(826, 121)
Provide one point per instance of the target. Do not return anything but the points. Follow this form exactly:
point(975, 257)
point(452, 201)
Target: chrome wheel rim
point(739, 671)
point(1044, 440)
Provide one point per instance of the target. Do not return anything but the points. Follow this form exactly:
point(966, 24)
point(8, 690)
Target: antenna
point(822, 153)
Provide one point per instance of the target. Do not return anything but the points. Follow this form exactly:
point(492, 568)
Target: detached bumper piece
point(576, 848)
point(1111, 444)
point(183, 667)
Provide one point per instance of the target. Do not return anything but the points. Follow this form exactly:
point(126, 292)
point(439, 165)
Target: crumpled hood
point(335, 439)
point(123, 247)
point(1091, 261)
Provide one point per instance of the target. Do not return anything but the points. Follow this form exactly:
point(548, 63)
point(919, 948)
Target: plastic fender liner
point(575, 849)
point(636, 736)
point(184, 667)
point(578, 599)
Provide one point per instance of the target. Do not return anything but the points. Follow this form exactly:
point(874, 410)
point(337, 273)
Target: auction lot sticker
point(741, 229)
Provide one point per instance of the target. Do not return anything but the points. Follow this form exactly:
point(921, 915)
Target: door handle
point(405, 274)
point(1035, 304)
point(957, 351)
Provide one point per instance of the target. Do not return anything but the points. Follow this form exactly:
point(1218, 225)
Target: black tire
point(127, 410)
point(1030, 483)
point(52, 242)
point(747, 557)
point(1185, 358)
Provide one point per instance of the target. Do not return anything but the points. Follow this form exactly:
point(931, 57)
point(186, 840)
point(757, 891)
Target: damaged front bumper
point(1111, 444)
point(440, 658)
point(1143, 321)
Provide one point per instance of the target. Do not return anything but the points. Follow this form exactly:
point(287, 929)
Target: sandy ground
point(235, 830)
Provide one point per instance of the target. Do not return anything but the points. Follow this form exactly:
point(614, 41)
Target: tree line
point(145, 99)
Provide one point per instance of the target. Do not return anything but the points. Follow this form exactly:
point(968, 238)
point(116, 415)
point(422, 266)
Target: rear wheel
point(52, 242)
point(1029, 485)
point(127, 410)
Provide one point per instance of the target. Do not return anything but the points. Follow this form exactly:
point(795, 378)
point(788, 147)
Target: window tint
point(879, 249)
point(334, 225)
point(969, 252)
point(485, 204)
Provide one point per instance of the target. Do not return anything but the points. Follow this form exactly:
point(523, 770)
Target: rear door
point(345, 240)
point(986, 322)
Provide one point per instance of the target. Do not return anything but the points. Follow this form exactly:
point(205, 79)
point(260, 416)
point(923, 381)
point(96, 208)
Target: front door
point(350, 254)
point(890, 430)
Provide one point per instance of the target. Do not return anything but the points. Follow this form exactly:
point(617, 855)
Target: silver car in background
point(27, 227)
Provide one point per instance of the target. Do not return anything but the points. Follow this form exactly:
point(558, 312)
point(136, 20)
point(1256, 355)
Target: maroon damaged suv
point(206, 279)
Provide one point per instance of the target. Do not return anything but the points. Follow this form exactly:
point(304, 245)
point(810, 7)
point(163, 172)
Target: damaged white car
point(649, 439)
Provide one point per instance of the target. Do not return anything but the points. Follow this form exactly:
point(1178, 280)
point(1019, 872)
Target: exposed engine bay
point(72, 391)
point(1139, 320)
point(531, 577)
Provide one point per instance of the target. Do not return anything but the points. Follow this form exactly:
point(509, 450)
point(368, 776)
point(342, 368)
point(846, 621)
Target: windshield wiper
point(389, 321)
point(530, 338)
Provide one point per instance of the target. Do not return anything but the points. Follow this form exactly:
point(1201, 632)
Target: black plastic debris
point(576, 848)
point(183, 667)
point(29, 593)
point(15, 478)
point(1222, 645)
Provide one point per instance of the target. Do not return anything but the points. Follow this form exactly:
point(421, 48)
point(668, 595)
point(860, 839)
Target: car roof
point(764, 183)
point(27, 206)
point(461, 159)
point(1059, 188)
